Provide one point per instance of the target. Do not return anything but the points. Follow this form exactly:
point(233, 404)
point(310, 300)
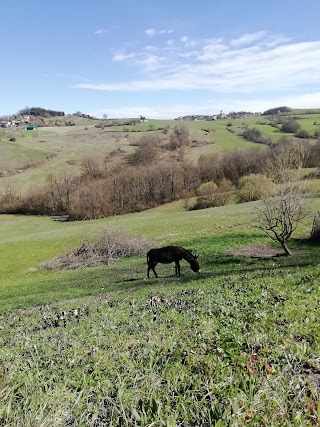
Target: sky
point(160, 59)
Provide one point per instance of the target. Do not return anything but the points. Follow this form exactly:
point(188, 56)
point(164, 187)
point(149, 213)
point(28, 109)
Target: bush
point(255, 187)
point(225, 192)
point(212, 195)
point(179, 138)
point(255, 135)
point(112, 245)
point(290, 126)
point(302, 133)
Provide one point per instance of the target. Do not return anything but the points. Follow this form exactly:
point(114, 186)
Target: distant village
point(17, 122)
point(221, 115)
point(34, 121)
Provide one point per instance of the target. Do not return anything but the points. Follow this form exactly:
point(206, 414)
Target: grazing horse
point(170, 254)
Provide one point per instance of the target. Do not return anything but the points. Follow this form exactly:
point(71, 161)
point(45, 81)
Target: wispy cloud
point(308, 100)
point(248, 38)
point(151, 32)
point(253, 63)
point(101, 31)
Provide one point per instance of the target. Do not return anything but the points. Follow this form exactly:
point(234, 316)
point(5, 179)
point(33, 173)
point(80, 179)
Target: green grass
point(236, 345)
point(15, 155)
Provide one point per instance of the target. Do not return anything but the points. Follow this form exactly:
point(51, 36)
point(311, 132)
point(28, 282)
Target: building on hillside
point(7, 123)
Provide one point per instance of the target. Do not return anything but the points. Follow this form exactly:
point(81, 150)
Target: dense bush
point(290, 126)
point(147, 150)
point(255, 187)
point(179, 138)
point(302, 133)
point(210, 194)
point(255, 135)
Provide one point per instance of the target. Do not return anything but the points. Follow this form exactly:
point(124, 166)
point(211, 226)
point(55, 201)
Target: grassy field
point(236, 345)
point(61, 149)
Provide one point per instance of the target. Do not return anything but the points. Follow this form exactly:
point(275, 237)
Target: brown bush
point(111, 245)
point(255, 187)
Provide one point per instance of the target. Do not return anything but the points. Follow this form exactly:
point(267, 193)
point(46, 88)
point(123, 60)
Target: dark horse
point(170, 254)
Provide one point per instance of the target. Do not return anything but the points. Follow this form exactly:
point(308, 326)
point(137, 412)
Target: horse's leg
point(177, 268)
point(152, 267)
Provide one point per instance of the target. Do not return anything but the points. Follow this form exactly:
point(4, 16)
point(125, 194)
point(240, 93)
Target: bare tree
point(280, 215)
point(287, 160)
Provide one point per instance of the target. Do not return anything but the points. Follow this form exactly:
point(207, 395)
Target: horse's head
point(195, 265)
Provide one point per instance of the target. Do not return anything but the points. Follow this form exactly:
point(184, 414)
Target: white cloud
point(248, 38)
point(184, 39)
point(256, 63)
point(120, 57)
point(101, 31)
point(171, 111)
point(151, 32)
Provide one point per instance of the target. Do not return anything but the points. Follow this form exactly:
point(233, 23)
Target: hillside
point(91, 341)
point(31, 155)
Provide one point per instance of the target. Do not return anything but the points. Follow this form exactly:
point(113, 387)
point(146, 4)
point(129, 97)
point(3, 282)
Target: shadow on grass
point(130, 275)
point(215, 263)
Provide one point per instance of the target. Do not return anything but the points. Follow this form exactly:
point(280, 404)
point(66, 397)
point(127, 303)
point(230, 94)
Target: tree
point(277, 110)
point(280, 215)
point(290, 126)
point(286, 161)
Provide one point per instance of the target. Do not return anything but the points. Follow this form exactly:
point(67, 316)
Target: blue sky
point(160, 59)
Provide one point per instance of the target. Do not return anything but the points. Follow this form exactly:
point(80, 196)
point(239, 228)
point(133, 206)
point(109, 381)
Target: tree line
point(38, 111)
point(148, 178)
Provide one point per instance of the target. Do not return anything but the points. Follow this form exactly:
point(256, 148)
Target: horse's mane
point(190, 253)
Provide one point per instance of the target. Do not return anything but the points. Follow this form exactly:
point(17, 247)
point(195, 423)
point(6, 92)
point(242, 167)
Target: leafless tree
point(280, 215)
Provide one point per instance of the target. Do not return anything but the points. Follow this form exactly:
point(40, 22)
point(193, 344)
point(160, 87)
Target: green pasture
point(15, 155)
point(236, 345)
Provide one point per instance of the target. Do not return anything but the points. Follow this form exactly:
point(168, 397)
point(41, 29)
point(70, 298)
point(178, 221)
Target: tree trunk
point(286, 249)
point(315, 233)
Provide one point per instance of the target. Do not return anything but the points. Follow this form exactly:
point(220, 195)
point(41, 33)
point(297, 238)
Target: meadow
point(238, 344)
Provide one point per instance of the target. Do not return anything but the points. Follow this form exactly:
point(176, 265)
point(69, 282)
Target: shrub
point(111, 245)
point(179, 138)
point(225, 192)
point(211, 195)
point(290, 126)
point(255, 135)
point(302, 133)
point(255, 187)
